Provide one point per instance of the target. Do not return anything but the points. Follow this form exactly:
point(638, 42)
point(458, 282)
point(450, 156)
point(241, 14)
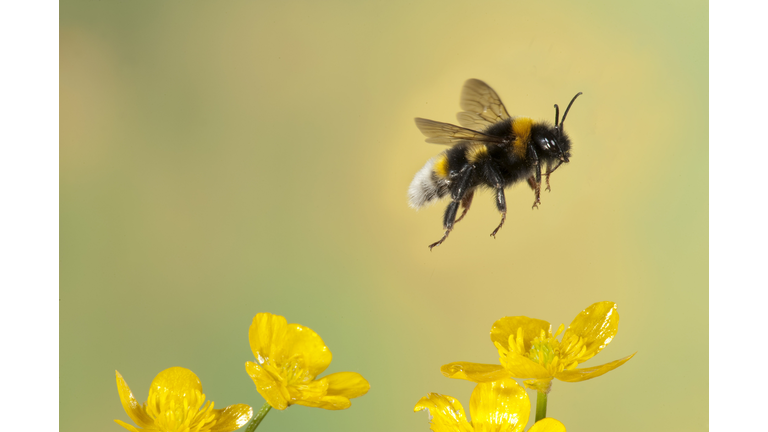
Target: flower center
point(546, 350)
point(174, 412)
point(289, 373)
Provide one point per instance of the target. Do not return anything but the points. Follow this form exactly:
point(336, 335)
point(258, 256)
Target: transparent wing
point(446, 133)
point(482, 106)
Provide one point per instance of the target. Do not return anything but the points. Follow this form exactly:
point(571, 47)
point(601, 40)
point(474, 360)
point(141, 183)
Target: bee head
point(552, 143)
point(562, 143)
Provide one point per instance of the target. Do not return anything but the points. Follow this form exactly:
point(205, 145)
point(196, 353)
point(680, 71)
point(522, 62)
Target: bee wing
point(446, 133)
point(482, 106)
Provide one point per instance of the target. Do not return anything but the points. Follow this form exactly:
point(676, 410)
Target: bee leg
point(465, 203)
point(439, 242)
point(536, 195)
point(536, 188)
point(448, 221)
point(537, 180)
point(501, 204)
point(550, 171)
point(494, 178)
point(460, 190)
point(537, 191)
point(531, 182)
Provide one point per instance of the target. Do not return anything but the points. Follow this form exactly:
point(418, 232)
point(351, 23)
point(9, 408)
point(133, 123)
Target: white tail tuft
point(425, 188)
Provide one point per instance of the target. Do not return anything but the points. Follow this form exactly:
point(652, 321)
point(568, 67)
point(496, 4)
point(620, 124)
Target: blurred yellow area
point(220, 159)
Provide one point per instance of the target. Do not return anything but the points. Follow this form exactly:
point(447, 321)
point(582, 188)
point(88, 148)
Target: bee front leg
point(458, 193)
point(536, 183)
point(550, 171)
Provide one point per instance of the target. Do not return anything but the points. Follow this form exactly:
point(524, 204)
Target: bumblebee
point(492, 150)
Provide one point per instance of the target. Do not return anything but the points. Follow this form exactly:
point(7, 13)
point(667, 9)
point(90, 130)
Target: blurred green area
point(219, 159)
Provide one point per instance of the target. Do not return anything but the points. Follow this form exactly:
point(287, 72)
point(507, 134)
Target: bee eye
point(545, 143)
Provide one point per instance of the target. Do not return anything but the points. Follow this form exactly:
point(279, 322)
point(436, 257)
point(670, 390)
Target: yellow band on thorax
point(521, 127)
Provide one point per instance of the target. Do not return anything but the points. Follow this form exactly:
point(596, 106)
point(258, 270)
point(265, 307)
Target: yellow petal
point(332, 392)
point(174, 387)
point(499, 406)
point(311, 390)
point(347, 384)
point(547, 425)
point(273, 339)
point(232, 418)
point(507, 326)
point(590, 331)
point(127, 426)
point(475, 372)
point(131, 405)
point(583, 374)
point(520, 366)
point(327, 402)
point(445, 413)
point(266, 334)
point(268, 388)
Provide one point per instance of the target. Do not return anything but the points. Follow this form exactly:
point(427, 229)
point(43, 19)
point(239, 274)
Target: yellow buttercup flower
point(528, 349)
point(498, 406)
point(289, 357)
point(176, 403)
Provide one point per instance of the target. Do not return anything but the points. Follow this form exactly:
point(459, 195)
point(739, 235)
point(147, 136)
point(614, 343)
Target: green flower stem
point(254, 423)
point(541, 405)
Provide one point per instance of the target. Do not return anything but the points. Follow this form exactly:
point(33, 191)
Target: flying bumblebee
point(491, 150)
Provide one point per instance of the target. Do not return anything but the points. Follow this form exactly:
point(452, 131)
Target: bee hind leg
point(466, 202)
point(439, 242)
point(448, 221)
point(459, 191)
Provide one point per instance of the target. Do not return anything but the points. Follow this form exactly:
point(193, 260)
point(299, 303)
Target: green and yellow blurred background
point(220, 159)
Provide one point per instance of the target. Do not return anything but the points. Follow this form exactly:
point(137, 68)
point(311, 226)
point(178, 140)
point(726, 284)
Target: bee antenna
point(557, 114)
point(569, 107)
